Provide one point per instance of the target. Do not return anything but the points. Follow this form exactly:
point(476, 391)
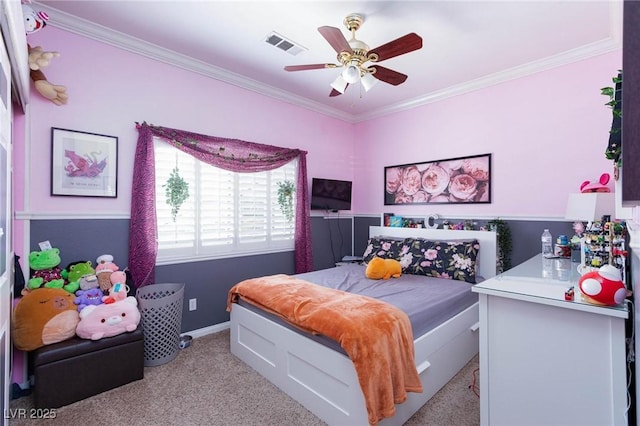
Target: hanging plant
point(504, 244)
point(177, 192)
point(285, 198)
point(614, 147)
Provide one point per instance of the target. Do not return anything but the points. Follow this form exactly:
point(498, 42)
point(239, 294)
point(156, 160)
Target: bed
point(322, 377)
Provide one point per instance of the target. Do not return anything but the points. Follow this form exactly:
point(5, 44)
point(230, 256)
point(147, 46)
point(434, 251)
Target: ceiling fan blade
point(308, 67)
point(334, 92)
point(388, 76)
point(397, 47)
point(335, 38)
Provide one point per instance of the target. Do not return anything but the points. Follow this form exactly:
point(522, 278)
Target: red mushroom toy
point(603, 287)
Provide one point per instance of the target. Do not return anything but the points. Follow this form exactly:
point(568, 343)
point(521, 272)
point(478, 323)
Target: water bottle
point(547, 243)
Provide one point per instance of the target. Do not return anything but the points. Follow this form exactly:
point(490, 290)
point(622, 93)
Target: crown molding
point(105, 35)
point(564, 58)
point(126, 42)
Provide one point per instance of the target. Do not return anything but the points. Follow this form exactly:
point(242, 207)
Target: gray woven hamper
point(161, 317)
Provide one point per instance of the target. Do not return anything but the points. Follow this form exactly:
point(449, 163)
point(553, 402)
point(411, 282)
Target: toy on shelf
point(604, 244)
point(603, 287)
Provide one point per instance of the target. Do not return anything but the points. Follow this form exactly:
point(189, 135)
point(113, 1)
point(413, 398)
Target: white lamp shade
point(351, 74)
point(340, 84)
point(368, 81)
point(590, 206)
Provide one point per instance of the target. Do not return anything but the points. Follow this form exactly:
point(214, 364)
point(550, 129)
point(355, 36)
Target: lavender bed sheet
point(427, 301)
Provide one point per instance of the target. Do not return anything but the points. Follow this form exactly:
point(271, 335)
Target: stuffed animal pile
point(58, 304)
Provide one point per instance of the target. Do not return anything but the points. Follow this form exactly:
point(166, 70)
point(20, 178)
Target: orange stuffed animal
point(42, 317)
point(379, 268)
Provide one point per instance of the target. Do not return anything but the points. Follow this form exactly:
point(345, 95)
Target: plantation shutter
point(179, 235)
point(252, 208)
point(226, 212)
point(217, 206)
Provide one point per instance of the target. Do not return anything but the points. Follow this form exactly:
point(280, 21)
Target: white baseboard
point(208, 330)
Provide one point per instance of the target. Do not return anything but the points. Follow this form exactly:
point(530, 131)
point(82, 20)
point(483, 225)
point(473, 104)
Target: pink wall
point(110, 89)
point(547, 133)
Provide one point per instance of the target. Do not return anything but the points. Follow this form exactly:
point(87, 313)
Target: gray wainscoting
point(209, 281)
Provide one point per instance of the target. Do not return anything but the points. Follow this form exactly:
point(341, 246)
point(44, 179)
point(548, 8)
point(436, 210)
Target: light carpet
point(207, 385)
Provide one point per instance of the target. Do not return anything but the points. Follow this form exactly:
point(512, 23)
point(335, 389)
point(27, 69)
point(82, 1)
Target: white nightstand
point(545, 360)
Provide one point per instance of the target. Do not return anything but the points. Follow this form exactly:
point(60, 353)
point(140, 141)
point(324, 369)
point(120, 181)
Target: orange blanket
point(376, 335)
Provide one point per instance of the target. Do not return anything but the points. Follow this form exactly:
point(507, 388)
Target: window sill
point(208, 257)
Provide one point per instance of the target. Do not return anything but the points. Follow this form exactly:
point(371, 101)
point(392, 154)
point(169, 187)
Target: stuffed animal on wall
point(42, 317)
point(45, 269)
point(38, 59)
point(599, 186)
point(603, 287)
point(379, 268)
point(84, 298)
point(108, 320)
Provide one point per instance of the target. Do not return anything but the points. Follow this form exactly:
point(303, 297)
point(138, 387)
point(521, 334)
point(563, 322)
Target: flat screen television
point(330, 194)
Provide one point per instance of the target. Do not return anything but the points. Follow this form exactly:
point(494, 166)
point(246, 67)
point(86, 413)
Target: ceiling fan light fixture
point(340, 84)
point(351, 74)
point(368, 81)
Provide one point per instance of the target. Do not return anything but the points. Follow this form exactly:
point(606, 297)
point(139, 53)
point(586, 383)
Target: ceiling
point(466, 44)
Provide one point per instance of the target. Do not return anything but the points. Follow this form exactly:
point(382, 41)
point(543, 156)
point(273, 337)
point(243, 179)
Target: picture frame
point(461, 180)
point(83, 164)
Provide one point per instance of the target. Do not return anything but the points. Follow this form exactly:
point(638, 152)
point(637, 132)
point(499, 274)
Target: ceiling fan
point(354, 55)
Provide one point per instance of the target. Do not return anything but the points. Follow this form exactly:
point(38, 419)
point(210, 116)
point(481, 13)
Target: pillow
point(384, 247)
point(454, 259)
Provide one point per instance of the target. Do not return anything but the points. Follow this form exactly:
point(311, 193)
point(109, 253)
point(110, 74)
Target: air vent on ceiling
point(283, 43)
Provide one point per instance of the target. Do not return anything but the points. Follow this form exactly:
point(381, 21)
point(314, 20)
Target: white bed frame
point(324, 380)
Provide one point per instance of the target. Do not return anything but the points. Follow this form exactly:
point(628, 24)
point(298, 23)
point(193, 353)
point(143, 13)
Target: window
point(226, 214)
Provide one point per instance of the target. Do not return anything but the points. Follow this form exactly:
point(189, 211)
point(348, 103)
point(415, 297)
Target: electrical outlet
point(193, 305)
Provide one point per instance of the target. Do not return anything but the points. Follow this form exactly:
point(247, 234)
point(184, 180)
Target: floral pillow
point(384, 247)
point(454, 260)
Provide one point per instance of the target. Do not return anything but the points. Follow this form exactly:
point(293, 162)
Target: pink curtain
point(229, 154)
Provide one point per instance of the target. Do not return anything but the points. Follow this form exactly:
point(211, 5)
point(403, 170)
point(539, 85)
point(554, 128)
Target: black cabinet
point(631, 104)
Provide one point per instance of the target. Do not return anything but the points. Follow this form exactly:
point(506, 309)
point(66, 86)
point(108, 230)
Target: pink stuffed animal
point(118, 277)
point(117, 292)
point(104, 268)
point(98, 321)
